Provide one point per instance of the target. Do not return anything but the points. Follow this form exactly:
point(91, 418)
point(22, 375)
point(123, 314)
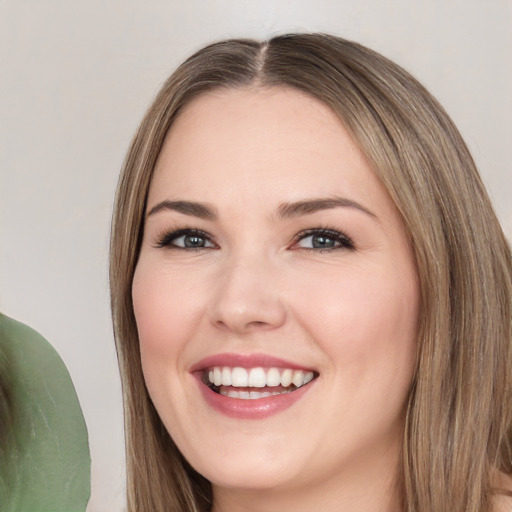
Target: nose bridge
point(248, 296)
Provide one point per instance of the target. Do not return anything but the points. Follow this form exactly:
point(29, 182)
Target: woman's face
point(271, 254)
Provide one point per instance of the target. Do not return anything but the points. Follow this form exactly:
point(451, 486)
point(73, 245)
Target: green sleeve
point(46, 462)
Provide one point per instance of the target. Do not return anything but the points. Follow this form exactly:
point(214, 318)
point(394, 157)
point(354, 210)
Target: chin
point(256, 468)
point(250, 478)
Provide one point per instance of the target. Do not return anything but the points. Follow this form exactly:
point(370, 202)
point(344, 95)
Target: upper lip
point(246, 361)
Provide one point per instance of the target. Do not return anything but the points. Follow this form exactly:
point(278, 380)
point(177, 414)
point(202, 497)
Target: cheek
point(165, 309)
point(166, 316)
point(364, 319)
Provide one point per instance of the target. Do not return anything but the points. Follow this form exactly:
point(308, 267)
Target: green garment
point(45, 460)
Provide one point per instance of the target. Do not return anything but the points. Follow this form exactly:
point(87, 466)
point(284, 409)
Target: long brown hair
point(459, 417)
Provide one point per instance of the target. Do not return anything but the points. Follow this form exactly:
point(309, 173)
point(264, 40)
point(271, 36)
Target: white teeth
point(217, 376)
point(298, 378)
point(258, 377)
point(239, 377)
point(251, 395)
point(273, 377)
point(226, 376)
point(286, 378)
point(258, 394)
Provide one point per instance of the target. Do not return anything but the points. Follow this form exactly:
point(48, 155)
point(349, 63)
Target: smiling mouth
point(254, 383)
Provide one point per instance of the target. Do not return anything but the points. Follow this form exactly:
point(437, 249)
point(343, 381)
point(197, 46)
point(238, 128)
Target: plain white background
point(75, 79)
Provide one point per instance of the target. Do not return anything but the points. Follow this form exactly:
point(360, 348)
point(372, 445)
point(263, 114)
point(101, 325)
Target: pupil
point(321, 241)
point(194, 241)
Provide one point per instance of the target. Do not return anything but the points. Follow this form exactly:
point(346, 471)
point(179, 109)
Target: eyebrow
point(284, 211)
point(309, 206)
point(200, 210)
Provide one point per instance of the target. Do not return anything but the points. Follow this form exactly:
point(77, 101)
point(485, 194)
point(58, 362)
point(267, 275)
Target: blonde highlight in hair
point(458, 426)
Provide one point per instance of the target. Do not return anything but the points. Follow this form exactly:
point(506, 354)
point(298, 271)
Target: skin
point(258, 287)
point(502, 502)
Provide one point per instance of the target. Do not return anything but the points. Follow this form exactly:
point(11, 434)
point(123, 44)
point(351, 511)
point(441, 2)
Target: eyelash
point(166, 239)
point(343, 241)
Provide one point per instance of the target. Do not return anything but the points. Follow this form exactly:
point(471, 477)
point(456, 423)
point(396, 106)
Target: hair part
point(458, 426)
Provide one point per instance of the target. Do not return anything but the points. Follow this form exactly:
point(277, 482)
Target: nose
point(248, 298)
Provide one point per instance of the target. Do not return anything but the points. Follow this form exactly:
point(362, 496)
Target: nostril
point(257, 323)
point(247, 326)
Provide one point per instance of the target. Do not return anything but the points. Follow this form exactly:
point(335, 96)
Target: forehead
point(269, 116)
point(269, 141)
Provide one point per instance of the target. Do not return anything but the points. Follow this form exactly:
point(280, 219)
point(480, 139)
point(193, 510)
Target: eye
point(187, 239)
point(323, 240)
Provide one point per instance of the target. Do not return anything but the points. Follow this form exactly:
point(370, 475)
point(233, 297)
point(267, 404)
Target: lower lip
point(258, 408)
